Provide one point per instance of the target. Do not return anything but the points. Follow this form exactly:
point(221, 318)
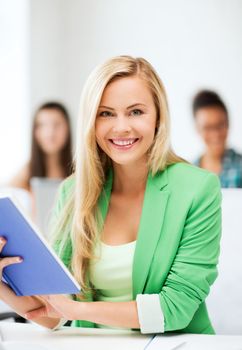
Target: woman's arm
point(22, 305)
point(115, 314)
point(195, 266)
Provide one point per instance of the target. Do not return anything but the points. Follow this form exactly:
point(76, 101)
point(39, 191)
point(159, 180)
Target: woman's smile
point(123, 143)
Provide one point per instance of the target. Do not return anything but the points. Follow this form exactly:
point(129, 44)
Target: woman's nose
point(121, 124)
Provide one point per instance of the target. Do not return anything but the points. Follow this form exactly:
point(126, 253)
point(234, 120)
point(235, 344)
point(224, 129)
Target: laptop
point(45, 194)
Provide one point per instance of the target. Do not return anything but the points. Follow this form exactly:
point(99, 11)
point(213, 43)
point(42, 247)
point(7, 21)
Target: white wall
point(14, 86)
point(47, 51)
point(192, 44)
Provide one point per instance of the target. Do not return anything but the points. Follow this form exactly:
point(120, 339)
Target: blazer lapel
point(104, 199)
point(153, 211)
point(155, 200)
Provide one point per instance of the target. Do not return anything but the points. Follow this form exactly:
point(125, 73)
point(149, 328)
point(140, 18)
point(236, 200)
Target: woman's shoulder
point(233, 156)
point(21, 178)
point(65, 192)
point(188, 175)
point(67, 186)
point(192, 184)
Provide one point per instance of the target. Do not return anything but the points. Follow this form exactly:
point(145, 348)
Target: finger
point(40, 312)
point(52, 298)
point(49, 300)
point(3, 241)
point(45, 297)
point(9, 261)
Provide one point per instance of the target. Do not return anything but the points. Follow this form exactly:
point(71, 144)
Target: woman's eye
point(136, 112)
point(105, 114)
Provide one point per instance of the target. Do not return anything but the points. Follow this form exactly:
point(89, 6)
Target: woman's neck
point(213, 157)
point(53, 166)
point(212, 162)
point(130, 179)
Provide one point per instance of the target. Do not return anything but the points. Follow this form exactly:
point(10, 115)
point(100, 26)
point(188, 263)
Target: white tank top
point(111, 272)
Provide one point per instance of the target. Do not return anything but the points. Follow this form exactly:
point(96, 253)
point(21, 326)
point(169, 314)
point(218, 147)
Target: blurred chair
point(225, 299)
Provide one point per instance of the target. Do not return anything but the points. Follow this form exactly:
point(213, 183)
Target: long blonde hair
point(91, 164)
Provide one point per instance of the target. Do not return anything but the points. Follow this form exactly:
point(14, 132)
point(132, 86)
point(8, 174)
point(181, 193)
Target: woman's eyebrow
point(106, 107)
point(131, 106)
point(136, 104)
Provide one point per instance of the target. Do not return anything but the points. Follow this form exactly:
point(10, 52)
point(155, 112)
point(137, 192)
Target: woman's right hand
point(21, 304)
point(8, 260)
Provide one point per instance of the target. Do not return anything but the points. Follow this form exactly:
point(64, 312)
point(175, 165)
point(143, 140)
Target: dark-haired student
point(212, 123)
point(51, 154)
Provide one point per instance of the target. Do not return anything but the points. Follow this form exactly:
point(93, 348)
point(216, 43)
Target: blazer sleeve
point(194, 268)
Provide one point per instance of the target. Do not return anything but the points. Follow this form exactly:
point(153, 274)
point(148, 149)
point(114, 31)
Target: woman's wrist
point(1, 290)
point(80, 310)
point(4, 290)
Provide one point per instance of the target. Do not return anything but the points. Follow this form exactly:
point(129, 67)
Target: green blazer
point(177, 245)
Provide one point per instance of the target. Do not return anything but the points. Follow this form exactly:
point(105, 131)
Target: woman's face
point(51, 131)
point(126, 120)
point(212, 125)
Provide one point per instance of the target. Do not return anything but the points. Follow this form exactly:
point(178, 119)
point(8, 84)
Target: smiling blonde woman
point(138, 226)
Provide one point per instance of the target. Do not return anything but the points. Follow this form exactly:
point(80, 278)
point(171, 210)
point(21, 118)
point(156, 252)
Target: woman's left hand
point(55, 306)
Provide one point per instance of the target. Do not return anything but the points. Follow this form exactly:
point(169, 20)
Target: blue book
point(41, 272)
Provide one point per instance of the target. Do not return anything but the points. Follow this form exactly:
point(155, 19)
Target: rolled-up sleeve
point(150, 314)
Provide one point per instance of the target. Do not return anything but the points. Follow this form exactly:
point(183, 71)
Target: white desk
point(72, 338)
point(102, 339)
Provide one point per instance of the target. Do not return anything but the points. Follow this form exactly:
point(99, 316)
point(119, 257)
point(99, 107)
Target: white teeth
point(123, 143)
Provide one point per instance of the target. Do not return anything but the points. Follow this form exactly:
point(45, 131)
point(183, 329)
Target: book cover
point(41, 272)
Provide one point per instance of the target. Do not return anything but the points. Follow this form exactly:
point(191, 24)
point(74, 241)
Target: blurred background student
point(36, 184)
point(212, 123)
point(51, 153)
